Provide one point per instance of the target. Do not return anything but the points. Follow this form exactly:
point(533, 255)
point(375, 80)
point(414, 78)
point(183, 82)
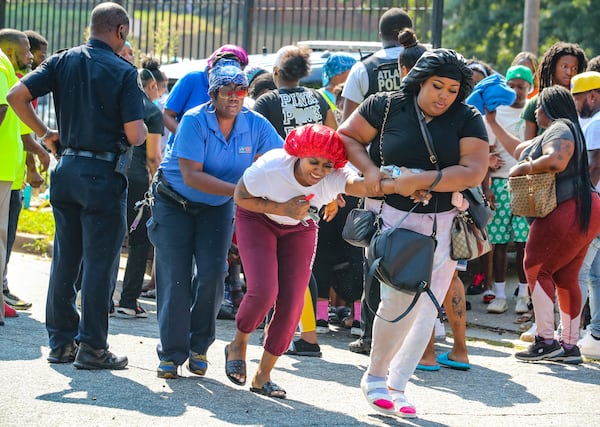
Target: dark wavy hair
point(427, 65)
point(558, 104)
point(594, 64)
point(551, 57)
point(295, 63)
point(413, 49)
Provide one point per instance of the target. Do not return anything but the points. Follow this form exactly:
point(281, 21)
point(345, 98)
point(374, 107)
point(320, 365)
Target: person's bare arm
point(33, 177)
point(153, 152)
point(194, 176)
point(330, 120)
point(136, 132)
point(3, 110)
point(31, 146)
point(531, 130)
point(469, 172)
point(357, 133)
point(594, 161)
point(509, 141)
point(349, 107)
point(554, 159)
point(170, 118)
point(296, 207)
point(19, 98)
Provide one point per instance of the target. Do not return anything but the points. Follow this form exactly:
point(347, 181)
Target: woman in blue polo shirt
point(192, 217)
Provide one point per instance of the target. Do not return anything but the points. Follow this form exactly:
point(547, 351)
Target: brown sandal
point(525, 317)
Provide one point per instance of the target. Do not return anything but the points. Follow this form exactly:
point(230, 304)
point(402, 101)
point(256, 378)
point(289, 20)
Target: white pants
point(396, 348)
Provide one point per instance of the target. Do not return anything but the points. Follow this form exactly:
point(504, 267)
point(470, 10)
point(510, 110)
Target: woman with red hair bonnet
point(278, 199)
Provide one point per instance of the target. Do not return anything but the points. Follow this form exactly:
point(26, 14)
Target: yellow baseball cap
point(585, 82)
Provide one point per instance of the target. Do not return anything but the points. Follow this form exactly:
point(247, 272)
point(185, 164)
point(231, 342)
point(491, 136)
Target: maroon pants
point(277, 262)
point(554, 253)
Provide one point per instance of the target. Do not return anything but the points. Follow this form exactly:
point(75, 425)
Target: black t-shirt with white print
point(289, 108)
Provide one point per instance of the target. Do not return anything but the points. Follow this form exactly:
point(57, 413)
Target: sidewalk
point(497, 391)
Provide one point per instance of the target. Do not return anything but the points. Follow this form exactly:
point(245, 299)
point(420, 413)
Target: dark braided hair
point(551, 57)
point(557, 103)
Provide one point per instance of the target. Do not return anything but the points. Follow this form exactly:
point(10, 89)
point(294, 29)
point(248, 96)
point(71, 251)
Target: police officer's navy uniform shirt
point(90, 108)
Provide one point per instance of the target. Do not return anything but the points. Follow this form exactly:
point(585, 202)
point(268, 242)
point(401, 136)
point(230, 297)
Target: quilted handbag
point(360, 226)
point(468, 240)
point(533, 195)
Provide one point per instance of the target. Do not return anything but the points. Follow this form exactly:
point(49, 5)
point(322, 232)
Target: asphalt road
point(497, 391)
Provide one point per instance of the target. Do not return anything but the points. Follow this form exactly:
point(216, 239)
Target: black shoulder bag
point(361, 224)
point(401, 258)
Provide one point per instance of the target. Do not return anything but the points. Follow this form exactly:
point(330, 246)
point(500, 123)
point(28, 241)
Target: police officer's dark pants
point(88, 202)
point(138, 246)
point(187, 309)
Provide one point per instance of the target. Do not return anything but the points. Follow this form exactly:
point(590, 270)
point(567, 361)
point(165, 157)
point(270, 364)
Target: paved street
point(498, 390)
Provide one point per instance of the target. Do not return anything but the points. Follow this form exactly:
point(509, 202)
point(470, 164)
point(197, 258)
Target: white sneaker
point(529, 334)
point(322, 326)
point(498, 306)
point(589, 346)
point(522, 305)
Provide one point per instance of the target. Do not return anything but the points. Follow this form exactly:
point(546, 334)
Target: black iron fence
point(177, 29)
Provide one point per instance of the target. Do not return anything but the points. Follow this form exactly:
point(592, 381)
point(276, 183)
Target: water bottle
point(27, 196)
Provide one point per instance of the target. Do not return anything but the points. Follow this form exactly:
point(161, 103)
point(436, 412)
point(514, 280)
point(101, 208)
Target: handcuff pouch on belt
point(163, 188)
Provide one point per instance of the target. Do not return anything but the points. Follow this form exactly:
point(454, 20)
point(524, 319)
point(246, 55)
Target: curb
point(33, 244)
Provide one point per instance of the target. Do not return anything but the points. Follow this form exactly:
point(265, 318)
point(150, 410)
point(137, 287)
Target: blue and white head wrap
point(224, 73)
point(336, 64)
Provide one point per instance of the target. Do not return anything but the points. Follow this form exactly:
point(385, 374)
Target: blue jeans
point(589, 280)
point(88, 201)
point(188, 306)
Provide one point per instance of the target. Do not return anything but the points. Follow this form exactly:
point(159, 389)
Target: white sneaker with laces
point(522, 305)
point(498, 306)
point(529, 334)
point(589, 346)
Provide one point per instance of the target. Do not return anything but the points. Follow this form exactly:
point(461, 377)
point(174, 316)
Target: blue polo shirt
point(189, 91)
point(199, 139)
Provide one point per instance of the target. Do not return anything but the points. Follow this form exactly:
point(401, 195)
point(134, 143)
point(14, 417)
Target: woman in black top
point(433, 91)
point(144, 163)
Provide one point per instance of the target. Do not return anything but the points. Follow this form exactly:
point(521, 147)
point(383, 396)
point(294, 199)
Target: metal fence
point(178, 29)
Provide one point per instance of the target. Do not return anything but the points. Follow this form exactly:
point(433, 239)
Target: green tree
point(492, 30)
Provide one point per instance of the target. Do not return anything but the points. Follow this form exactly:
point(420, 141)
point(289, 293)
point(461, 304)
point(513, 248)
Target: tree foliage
point(492, 30)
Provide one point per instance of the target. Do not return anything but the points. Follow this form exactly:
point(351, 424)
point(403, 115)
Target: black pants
point(138, 245)
point(88, 201)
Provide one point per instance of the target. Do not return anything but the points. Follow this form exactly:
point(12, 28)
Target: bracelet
point(46, 135)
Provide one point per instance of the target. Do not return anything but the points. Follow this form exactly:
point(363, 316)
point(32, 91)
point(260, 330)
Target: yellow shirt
point(11, 146)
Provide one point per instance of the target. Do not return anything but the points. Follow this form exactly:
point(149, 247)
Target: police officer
point(379, 72)
point(100, 114)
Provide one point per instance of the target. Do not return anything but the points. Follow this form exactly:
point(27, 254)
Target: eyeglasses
point(227, 92)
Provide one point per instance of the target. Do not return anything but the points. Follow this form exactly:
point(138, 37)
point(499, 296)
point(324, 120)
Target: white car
point(321, 51)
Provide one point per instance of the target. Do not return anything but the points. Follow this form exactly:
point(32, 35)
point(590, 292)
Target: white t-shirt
point(357, 82)
point(510, 119)
point(591, 132)
point(272, 177)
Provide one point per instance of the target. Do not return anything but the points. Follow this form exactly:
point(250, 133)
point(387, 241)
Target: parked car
point(321, 50)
